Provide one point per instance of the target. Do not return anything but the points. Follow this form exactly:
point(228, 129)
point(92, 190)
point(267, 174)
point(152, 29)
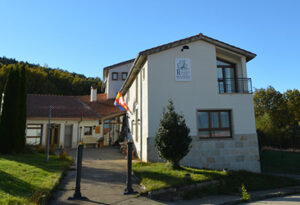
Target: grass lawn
point(157, 176)
point(26, 177)
point(280, 161)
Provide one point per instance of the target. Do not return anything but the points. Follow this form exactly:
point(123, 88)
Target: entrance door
point(54, 135)
point(68, 136)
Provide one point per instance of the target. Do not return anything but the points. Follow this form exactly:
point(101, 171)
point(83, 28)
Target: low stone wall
point(237, 153)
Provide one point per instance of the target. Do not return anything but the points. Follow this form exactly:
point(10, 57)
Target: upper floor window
point(124, 75)
point(114, 76)
point(226, 77)
point(214, 123)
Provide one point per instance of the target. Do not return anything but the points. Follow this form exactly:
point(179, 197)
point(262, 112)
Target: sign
point(97, 129)
point(183, 69)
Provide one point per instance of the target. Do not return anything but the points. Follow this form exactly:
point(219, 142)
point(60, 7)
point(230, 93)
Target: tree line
point(278, 117)
point(43, 80)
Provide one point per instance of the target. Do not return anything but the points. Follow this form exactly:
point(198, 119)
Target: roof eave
point(142, 56)
point(134, 70)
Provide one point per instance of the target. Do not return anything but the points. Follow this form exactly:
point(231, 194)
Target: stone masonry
point(237, 153)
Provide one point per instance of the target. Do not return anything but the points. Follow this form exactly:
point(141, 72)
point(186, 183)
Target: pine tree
point(9, 116)
point(22, 104)
point(172, 138)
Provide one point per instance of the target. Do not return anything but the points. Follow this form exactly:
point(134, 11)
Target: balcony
point(235, 85)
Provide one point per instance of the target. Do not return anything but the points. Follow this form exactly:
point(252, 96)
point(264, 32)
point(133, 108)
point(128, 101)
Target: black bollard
point(129, 189)
point(77, 194)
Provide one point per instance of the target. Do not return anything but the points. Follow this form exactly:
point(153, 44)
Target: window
point(34, 134)
point(226, 77)
point(114, 76)
point(124, 75)
point(88, 130)
point(214, 123)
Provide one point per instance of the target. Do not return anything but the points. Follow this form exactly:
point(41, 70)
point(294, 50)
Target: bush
point(63, 155)
point(43, 149)
point(172, 139)
point(245, 195)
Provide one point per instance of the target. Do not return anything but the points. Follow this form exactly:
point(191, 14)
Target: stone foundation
point(237, 153)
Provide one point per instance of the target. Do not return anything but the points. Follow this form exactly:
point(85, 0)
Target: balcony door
point(226, 77)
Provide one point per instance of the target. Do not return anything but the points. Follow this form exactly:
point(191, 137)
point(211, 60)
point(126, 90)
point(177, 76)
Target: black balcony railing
point(235, 85)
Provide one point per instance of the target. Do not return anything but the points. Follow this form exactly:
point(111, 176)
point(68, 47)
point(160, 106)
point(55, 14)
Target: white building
point(114, 77)
point(74, 119)
point(207, 81)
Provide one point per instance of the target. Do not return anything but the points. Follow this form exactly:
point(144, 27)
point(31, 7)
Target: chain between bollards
point(129, 189)
point(77, 195)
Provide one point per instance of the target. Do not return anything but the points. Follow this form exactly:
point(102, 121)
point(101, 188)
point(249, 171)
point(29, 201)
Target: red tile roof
point(69, 107)
point(103, 106)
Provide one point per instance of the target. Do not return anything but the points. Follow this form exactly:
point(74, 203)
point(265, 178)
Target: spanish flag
point(120, 102)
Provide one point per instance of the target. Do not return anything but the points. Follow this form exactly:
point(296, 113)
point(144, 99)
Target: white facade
point(77, 130)
point(156, 84)
point(113, 86)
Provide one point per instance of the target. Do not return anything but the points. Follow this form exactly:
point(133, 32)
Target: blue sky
point(85, 36)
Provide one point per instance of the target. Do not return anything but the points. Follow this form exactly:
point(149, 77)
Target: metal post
point(129, 189)
point(49, 133)
point(77, 193)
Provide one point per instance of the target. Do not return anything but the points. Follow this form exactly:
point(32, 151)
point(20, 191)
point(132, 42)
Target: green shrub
point(245, 195)
point(43, 149)
point(63, 155)
point(172, 138)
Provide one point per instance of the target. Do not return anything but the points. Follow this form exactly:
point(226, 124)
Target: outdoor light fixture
point(185, 47)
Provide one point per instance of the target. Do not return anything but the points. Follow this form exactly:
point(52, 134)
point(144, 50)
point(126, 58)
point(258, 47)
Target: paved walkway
point(104, 177)
point(287, 200)
point(103, 180)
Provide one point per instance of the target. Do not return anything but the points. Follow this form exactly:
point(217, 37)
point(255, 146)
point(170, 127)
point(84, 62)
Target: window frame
point(112, 75)
point(231, 65)
point(210, 129)
point(123, 76)
point(41, 127)
point(91, 131)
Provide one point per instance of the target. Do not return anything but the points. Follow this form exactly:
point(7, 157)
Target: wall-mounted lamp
point(185, 48)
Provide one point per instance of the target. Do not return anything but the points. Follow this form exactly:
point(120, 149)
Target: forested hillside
point(43, 80)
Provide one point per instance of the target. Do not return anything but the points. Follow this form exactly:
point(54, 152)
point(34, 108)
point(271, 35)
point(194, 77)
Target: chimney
point(93, 93)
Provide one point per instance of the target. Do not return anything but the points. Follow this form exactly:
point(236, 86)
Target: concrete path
point(287, 200)
point(104, 177)
point(103, 180)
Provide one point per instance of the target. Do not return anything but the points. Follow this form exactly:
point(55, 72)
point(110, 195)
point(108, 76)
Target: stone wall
point(237, 153)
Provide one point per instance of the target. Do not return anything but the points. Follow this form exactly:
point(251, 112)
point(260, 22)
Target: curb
point(44, 200)
point(174, 194)
point(285, 192)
